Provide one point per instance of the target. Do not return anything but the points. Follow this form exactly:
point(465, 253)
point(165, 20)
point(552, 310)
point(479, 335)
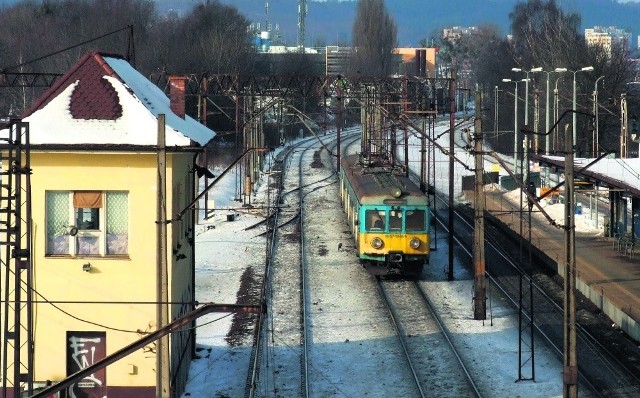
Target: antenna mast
point(302, 14)
point(267, 27)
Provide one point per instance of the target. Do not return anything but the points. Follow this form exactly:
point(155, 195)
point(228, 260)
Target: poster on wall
point(83, 350)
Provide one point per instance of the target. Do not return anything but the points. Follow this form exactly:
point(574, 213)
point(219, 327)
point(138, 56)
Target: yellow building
point(95, 191)
point(419, 61)
point(606, 37)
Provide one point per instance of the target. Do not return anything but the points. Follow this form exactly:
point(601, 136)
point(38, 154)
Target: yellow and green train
point(388, 215)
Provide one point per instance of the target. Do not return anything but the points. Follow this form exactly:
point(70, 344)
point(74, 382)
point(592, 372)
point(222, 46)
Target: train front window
point(375, 220)
point(395, 220)
point(416, 220)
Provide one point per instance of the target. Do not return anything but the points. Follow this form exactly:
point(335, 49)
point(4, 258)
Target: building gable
point(103, 101)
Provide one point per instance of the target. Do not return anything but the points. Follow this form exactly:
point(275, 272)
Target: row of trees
point(49, 36)
point(213, 38)
point(543, 35)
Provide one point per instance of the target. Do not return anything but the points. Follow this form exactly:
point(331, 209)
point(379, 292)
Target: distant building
point(453, 34)
point(264, 39)
point(416, 61)
point(336, 60)
point(606, 37)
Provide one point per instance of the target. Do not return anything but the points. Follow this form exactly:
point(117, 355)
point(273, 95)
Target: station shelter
point(618, 178)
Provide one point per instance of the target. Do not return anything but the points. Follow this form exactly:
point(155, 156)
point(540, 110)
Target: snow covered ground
point(224, 250)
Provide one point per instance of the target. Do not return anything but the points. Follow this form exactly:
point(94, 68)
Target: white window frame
point(100, 233)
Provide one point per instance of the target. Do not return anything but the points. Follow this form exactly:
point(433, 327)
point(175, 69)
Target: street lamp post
point(495, 117)
point(525, 145)
point(515, 123)
point(596, 143)
point(556, 112)
point(547, 119)
point(575, 115)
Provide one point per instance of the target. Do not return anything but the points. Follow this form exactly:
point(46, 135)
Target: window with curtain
point(87, 223)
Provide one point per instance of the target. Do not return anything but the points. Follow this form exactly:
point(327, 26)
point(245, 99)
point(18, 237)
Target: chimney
point(177, 88)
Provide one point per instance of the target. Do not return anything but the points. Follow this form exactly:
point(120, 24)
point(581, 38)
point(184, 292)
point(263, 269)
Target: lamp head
point(587, 69)
point(561, 70)
point(506, 80)
point(516, 69)
point(538, 69)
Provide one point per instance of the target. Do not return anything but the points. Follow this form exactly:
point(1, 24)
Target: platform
point(606, 275)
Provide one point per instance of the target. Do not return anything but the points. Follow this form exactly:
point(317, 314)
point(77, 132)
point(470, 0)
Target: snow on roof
point(157, 102)
point(626, 171)
point(103, 100)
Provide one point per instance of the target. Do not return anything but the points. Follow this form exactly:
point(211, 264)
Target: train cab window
point(375, 220)
point(395, 220)
point(416, 220)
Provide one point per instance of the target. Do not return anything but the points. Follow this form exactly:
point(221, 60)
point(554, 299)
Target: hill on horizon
point(331, 21)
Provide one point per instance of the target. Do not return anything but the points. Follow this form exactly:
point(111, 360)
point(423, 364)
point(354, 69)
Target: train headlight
point(414, 243)
point(376, 243)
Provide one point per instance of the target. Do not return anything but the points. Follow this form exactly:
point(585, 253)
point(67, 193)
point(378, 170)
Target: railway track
point(428, 348)
point(325, 327)
point(600, 371)
point(287, 334)
point(305, 331)
point(305, 311)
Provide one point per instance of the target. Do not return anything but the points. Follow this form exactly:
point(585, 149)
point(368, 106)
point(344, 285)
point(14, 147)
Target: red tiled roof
point(93, 97)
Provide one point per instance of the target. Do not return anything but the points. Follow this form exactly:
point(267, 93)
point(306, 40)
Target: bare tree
point(213, 38)
point(374, 39)
point(48, 36)
point(543, 34)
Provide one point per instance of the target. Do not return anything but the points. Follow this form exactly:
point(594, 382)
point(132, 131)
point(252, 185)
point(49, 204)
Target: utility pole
point(479, 282)
point(623, 125)
point(536, 123)
point(495, 116)
point(162, 293)
point(423, 157)
point(570, 372)
point(596, 123)
point(339, 93)
point(302, 15)
point(452, 126)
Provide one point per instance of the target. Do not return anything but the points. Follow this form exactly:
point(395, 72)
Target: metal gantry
point(243, 100)
point(16, 261)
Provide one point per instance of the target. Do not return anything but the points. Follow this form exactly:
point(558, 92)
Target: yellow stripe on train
point(393, 243)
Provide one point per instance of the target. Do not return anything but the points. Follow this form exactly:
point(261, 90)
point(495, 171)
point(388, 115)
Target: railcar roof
point(374, 184)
